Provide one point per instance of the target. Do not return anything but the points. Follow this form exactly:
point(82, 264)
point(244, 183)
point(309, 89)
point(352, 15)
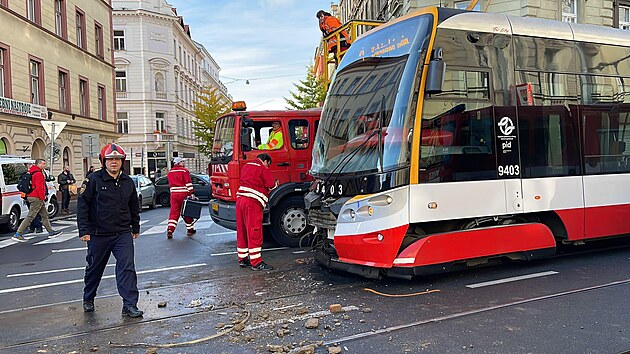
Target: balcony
point(121, 95)
point(160, 96)
point(159, 137)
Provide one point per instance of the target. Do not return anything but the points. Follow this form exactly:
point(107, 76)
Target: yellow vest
point(274, 142)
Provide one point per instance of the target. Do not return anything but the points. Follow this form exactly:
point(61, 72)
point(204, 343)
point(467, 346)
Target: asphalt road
point(576, 302)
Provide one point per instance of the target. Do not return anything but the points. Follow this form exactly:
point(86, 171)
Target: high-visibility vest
point(274, 142)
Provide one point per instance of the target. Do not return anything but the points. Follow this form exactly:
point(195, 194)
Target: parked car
point(147, 194)
point(12, 206)
point(201, 186)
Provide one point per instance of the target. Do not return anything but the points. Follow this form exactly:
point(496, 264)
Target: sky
point(268, 42)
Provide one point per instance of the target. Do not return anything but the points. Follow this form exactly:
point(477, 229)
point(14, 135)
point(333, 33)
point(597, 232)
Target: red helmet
point(112, 151)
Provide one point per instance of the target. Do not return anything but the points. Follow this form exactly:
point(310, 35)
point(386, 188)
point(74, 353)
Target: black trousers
point(65, 198)
point(99, 250)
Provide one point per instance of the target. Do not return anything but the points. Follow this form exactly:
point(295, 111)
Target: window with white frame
point(32, 10)
point(121, 81)
point(36, 94)
point(624, 17)
point(60, 18)
point(64, 91)
point(80, 29)
point(160, 125)
point(119, 40)
point(569, 11)
point(83, 97)
point(462, 5)
point(98, 40)
point(123, 122)
point(100, 91)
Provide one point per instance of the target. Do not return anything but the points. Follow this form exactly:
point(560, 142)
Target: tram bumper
point(332, 262)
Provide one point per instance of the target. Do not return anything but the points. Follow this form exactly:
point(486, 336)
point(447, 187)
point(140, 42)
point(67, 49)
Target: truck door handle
point(284, 164)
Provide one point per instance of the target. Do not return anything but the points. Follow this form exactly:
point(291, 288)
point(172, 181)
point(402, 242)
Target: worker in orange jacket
point(181, 187)
point(253, 195)
point(328, 24)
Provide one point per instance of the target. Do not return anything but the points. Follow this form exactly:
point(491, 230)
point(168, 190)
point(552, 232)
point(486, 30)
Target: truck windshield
point(372, 91)
point(223, 143)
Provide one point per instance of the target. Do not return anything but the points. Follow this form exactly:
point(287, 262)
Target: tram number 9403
point(509, 170)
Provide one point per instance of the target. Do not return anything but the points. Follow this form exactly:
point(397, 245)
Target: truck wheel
point(289, 223)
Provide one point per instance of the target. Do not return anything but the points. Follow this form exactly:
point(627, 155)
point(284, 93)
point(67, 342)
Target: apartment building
point(615, 13)
point(56, 63)
point(159, 72)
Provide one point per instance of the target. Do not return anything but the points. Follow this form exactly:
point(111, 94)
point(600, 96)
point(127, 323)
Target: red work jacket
point(256, 182)
point(179, 180)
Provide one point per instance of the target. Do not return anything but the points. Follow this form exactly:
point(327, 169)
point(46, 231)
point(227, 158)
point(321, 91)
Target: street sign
point(56, 152)
point(90, 145)
point(48, 127)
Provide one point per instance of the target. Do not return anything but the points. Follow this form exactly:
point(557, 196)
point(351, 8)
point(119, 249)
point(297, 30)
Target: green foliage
point(310, 92)
point(210, 106)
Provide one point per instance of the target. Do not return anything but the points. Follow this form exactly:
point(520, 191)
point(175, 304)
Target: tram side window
point(606, 124)
point(548, 132)
point(457, 144)
point(299, 134)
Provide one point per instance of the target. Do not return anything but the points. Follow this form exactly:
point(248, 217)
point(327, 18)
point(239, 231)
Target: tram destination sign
point(23, 109)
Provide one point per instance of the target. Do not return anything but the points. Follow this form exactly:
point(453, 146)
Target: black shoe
point(131, 311)
point(244, 263)
point(30, 231)
point(39, 231)
point(263, 266)
point(169, 235)
point(88, 305)
point(191, 232)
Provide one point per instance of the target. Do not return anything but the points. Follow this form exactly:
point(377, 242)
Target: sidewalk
point(72, 208)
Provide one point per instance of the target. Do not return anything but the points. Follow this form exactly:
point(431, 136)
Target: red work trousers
point(249, 237)
point(177, 199)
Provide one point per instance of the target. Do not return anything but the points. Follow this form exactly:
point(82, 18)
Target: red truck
point(237, 137)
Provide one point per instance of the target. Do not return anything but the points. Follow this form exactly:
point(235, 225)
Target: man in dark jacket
point(65, 179)
point(108, 217)
point(37, 202)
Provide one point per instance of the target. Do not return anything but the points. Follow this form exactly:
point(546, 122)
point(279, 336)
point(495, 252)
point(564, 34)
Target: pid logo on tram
point(506, 126)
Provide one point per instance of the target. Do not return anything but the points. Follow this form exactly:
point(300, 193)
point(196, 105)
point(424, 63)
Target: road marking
point(299, 252)
point(223, 233)
point(507, 280)
point(11, 241)
point(155, 230)
point(204, 224)
point(264, 250)
point(296, 318)
point(143, 222)
point(58, 239)
point(65, 222)
point(47, 285)
point(50, 271)
point(70, 250)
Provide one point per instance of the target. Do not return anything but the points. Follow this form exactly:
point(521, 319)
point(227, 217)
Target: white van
point(13, 206)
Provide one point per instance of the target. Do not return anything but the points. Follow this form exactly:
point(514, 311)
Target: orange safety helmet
point(112, 151)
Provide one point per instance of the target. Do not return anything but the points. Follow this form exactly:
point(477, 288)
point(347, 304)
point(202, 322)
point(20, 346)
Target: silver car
point(146, 191)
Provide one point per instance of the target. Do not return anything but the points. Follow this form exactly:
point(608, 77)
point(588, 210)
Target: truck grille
point(321, 219)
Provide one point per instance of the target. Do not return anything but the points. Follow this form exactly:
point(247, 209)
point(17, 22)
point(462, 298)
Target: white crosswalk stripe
point(59, 239)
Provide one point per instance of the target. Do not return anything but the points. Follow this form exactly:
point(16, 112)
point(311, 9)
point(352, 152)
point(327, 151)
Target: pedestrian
point(181, 187)
point(89, 171)
point(275, 140)
point(108, 217)
point(37, 201)
point(329, 24)
point(65, 180)
point(255, 184)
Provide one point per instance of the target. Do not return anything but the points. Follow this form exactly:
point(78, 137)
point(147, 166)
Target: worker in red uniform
point(252, 197)
point(181, 187)
point(329, 24)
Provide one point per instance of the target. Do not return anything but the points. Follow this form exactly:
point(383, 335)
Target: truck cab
point(239, 137)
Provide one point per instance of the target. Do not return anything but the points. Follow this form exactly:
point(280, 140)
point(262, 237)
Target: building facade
point(159, 72)
point(615, 13)
point(56, 63)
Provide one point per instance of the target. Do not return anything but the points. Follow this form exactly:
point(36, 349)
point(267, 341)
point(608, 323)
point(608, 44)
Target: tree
point(209, 106)
point(310, 92)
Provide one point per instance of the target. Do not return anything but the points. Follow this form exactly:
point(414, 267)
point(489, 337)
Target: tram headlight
point(370, 211)
point(352, 213)
point(389, 199)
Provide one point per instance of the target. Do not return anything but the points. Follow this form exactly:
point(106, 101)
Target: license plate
point(215, 207)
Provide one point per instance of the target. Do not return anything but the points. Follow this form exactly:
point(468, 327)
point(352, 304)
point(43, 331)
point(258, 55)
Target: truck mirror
point(247, 122)
point(246, 140)
point(435, 73)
